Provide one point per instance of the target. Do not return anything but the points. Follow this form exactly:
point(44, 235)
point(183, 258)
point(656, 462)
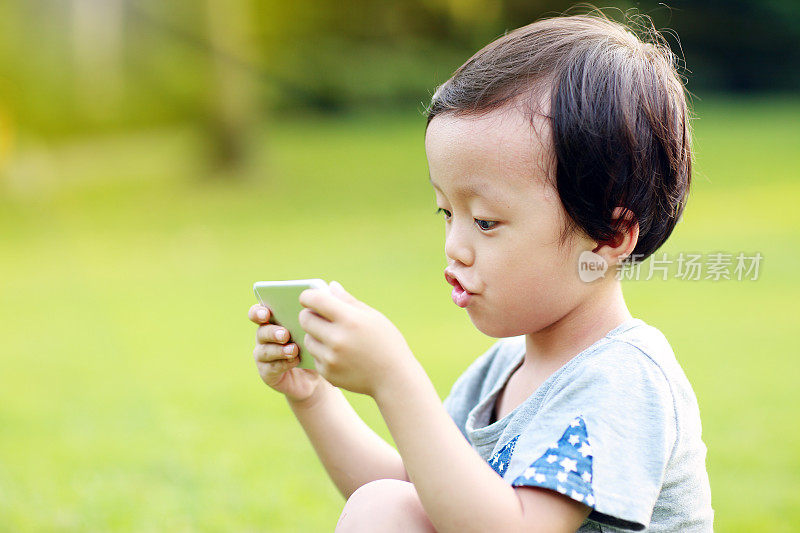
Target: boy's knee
point(384, 505)
point(380, 498)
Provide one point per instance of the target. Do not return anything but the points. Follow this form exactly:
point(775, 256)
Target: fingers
point(272, 372)
point(323, 303)
point(316, 349)
point(339, 291)
point(269, 353)
point(317, 326)
point(272, 333)
point(259, 314)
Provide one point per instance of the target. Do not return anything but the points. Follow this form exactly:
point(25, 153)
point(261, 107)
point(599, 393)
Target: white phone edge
point(314, 283)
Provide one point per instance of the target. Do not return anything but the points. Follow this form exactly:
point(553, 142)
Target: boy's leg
point(384, 505)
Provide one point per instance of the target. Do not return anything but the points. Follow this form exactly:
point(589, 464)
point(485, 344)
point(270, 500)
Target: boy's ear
point(623, 243)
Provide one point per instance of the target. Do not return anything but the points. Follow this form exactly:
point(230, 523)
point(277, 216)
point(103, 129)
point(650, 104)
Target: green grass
point(129, 400)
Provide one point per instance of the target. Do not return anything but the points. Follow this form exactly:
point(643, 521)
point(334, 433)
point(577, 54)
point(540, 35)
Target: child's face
point(521, 278)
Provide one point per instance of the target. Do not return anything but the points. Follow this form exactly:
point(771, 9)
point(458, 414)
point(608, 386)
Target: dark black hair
point(618, 117)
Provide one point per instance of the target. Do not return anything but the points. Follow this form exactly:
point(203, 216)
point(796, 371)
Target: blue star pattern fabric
point(500, 460)
point(566, 466)
point(643, 467)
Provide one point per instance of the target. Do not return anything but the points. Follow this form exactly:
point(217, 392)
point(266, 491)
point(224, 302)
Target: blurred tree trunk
point(233, 113)
point(97, 51)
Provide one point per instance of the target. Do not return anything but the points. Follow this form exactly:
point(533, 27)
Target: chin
point(493, 328)
point(508, 325)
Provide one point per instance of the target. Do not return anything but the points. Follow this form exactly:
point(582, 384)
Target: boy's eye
point(484, 225)
point(481, 224)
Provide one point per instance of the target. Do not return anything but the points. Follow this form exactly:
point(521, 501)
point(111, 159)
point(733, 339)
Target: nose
point(457, 246)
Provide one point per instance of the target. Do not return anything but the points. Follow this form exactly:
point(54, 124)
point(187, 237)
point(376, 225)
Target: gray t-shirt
point(616, 428)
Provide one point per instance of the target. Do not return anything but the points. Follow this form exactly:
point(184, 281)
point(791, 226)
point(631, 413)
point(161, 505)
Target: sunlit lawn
point(129, 400)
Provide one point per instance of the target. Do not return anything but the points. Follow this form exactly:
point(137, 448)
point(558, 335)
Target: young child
point(561, 142)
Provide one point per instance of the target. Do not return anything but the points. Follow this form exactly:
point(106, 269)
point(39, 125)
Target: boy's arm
point(457, 488)
point(350, 451)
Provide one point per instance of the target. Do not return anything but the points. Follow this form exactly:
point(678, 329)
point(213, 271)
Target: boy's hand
point(275, 366)
point(355, 346)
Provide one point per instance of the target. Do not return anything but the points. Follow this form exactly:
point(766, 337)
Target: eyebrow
point(467, 191)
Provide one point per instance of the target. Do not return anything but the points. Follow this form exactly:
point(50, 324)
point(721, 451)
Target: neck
point(578, 329)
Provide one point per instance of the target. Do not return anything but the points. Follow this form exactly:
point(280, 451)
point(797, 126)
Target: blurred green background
point(158, 158)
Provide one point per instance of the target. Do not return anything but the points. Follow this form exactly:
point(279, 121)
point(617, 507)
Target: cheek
point(529, 290)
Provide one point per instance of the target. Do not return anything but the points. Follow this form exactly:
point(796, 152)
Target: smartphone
point(283, 300)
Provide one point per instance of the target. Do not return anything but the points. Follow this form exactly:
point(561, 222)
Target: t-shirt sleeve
point(603, 436)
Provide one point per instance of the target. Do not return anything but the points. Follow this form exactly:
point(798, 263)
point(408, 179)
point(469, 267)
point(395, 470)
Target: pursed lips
point(453, 280)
